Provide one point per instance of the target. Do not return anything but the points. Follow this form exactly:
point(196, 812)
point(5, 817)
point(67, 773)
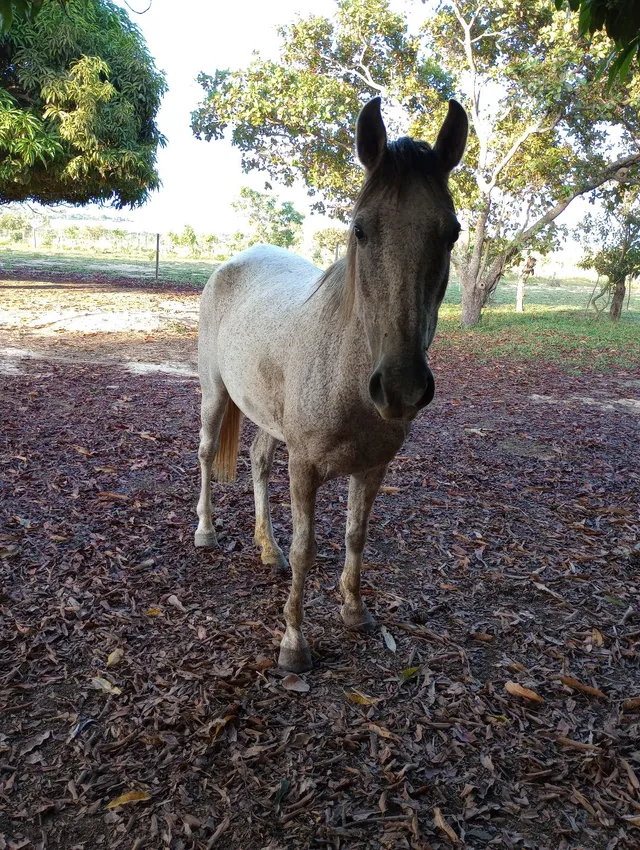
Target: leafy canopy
point(621, 21)
point(542, 117)
point(78, 105)
point(269, 222)
point(295, 118)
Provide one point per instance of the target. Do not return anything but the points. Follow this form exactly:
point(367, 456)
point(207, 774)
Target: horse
point(332, 364)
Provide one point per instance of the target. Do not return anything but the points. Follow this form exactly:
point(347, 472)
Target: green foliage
point(329, 244)
point(621, 21)
point(12, 220)
point(19, 10)
point(541, 115)
point(269, 222)
point(294, 118)
point(77, 107)
point(611, 241)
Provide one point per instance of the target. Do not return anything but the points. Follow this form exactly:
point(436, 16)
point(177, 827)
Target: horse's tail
point(226, 460)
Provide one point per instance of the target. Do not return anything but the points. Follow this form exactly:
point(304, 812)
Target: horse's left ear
point(452, 138)
point(371, 136)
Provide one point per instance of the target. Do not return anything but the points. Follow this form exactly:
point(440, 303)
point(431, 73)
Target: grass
point(555, 326)
point(195, 272)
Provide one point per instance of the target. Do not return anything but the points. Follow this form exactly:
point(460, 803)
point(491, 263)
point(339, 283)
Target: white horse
point(334, 364)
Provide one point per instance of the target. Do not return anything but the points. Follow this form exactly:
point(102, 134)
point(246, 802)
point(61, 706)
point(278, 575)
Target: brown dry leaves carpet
point(140, 704)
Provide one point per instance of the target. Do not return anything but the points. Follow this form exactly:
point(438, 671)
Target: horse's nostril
point(429, 393)
point(376, 390)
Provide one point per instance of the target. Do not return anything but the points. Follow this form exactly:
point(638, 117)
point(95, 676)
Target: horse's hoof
point(205, 539)
point(359, 621)
point(276, 560)
point(295, 660)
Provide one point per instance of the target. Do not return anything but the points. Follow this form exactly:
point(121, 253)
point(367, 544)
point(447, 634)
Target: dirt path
point(505, 549)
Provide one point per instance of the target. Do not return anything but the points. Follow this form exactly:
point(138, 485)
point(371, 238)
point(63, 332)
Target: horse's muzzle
point(401, 393)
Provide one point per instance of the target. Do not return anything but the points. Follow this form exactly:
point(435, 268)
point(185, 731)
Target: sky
point(201, 179)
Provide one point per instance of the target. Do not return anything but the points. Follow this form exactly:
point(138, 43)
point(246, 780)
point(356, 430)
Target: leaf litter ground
point(140, 702)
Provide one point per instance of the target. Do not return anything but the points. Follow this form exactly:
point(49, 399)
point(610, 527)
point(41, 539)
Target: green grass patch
point(569, 337)
point(195, 272)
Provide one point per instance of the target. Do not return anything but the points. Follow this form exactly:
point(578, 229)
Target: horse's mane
point(403, 161)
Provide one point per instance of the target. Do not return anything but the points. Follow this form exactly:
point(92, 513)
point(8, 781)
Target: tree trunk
point(520, 294)
point(618, 299)
point(472, 301)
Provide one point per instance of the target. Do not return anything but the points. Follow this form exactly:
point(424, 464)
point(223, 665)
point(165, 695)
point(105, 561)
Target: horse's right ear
point(371, 136)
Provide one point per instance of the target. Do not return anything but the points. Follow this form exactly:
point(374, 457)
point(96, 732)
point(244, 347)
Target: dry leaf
point(390, 490)
point(632, 704)
point(388, 638)
point(173, 600)
point(597, 637)
point(579, 686)
point(578, 745)
point(633, 779)
point(409, 673)
point(441, 823)
point(517, 690)
point(359, 699)
point(129, 797)
point(105, 685)
point(482, 636)
point(153, 612)
point(295, 683)
point(580, 798)
point(109, 494)
point(82, 451)
point(114, 658)
point(384, 733)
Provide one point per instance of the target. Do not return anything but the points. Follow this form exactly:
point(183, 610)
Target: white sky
point(201, 179)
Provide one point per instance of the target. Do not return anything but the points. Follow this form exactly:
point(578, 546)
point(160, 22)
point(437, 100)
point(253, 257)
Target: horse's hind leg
point(363, 489)
point(214, 402)
point(262, 451)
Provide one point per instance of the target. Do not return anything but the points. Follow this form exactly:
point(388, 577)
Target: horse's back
point(262, 269)
point(251, 310)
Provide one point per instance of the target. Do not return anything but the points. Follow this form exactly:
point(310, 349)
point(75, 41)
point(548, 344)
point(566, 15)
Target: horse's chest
point(356, 446)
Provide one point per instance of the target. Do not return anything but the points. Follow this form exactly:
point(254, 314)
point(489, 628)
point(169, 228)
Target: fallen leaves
point(371, 740)
point(101, 684)
point(517, 690)
point(441, 823)
point(570, 682)
point(388, 639)
point(128, 798)
point(295, 683)
point(114, 658)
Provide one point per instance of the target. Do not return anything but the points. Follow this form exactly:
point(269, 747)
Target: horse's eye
point(358, 232)
point(453, 238)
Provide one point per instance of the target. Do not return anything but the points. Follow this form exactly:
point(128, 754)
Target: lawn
point(195, 272)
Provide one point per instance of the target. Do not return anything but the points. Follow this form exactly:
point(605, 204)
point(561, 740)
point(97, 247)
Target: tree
point(612, 247)
point(295, 118)
point(78, 103)
point(269, 222)
point(328, 244)
point(620, 19)
point(540, 115)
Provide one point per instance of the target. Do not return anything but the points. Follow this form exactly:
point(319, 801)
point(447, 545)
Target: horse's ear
point(452, 138)
point(371, 136)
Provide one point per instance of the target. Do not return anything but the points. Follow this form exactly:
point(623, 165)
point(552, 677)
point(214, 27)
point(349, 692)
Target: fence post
point(157, 254)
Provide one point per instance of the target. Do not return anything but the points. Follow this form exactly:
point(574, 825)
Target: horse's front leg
point(363, 489)
point(295, 654)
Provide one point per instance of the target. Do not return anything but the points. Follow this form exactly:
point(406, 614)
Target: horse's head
point(403, 229)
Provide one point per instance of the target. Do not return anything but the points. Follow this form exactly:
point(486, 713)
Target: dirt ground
point(140, 701)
